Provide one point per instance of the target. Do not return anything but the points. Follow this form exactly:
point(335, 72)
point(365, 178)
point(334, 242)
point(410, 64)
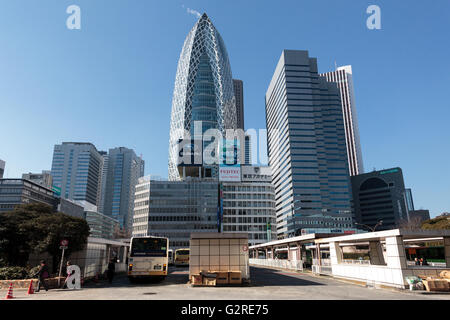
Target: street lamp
point(379, 223)
point(293, 213)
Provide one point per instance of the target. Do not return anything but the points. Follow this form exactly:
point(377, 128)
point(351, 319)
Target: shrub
point(14, 273)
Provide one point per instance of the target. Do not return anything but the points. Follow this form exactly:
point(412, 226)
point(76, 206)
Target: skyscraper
point(203, 91)
point(239, 94)
point(2, 168)
point(343, 76)
point(102, 181)
point(123, 173)
point(307, 149)
point(76, 170)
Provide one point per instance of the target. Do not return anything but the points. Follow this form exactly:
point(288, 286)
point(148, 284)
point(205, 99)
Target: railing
point(323, 268)
point(430, 264)
point(349, 261)
point(296, 265)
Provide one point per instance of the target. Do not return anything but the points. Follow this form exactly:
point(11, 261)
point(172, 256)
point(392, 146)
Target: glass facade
point(174, 209)
point(203, 88)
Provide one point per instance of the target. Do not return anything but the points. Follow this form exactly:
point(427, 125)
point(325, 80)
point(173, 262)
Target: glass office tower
point(203, 90)
point(307, 149)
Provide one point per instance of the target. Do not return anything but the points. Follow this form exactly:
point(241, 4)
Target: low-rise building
point(71, 208)
point(420, 215)
point(102, 226)
point(44, 179)
point(14, 192)
point(249, 205)
point(380, 196)
point(176, 209)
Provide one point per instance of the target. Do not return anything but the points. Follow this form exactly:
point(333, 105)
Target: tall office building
point(380, 195)
point(203, 92)
point(307, 149)
point(102, 181)
point(2, 168)
point(124, 171)
point(44, 179)
point(76, 171)
point(248, 150)
point(343, 76)
point(239, 94)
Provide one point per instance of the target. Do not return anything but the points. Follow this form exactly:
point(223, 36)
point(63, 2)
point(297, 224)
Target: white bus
point(148, 257)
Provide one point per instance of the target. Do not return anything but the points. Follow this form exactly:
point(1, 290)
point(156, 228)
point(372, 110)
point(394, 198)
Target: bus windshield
point(182, 252)
point(148, 247)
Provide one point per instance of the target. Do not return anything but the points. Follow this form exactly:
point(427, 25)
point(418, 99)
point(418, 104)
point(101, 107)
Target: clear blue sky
point(111, 82)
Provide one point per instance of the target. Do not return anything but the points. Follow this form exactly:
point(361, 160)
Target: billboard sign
point(229, 166)
point(230, 173)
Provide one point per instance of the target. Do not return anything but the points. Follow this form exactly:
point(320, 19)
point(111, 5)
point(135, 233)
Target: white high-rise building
point(141, 207)
point(343, 76)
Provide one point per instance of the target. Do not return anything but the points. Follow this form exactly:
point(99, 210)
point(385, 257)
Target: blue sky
point(111, 82)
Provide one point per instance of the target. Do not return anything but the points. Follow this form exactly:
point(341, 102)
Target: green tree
point(438, 223)
point(37, 228)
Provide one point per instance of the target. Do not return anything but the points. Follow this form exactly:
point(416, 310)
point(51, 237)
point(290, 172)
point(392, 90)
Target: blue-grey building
point(14, 192)
point(124, 168)
point(76, 169)
point(307, 148)
point(380, 196)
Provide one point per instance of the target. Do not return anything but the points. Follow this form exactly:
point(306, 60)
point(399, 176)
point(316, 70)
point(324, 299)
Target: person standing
point(42, 275)
point(111, 270)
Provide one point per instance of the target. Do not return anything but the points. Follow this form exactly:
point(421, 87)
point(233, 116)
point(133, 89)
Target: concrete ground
point(266, 284)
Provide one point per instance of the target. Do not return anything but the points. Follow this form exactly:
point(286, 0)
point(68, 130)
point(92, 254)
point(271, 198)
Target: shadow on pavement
point(175, 276)
point(261, 277)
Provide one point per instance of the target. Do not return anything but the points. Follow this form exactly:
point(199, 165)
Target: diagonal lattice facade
point(203, 88)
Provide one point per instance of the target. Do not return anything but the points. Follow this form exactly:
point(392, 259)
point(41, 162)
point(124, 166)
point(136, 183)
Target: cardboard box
point(222, 277)
point(235, 277)
point(436, 285)
point(209, 281)
point(197, 279)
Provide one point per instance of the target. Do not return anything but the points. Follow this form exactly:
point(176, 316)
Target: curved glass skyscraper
point(203, 89)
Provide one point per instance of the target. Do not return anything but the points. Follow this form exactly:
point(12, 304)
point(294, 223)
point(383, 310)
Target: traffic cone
point(30, 288)
point(9, 295)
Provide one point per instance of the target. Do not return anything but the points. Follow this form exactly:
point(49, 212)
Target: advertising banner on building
point(230, 173)
point(229, 166)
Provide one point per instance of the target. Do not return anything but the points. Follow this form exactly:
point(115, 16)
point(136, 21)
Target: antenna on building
point(335, 65)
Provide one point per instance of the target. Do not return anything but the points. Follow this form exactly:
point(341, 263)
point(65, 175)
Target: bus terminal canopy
point(382, 235)
point(307, 238)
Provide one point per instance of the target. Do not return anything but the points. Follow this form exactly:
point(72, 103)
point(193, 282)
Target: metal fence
point(349, 261)
point(296, 265)
point(323, 268)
